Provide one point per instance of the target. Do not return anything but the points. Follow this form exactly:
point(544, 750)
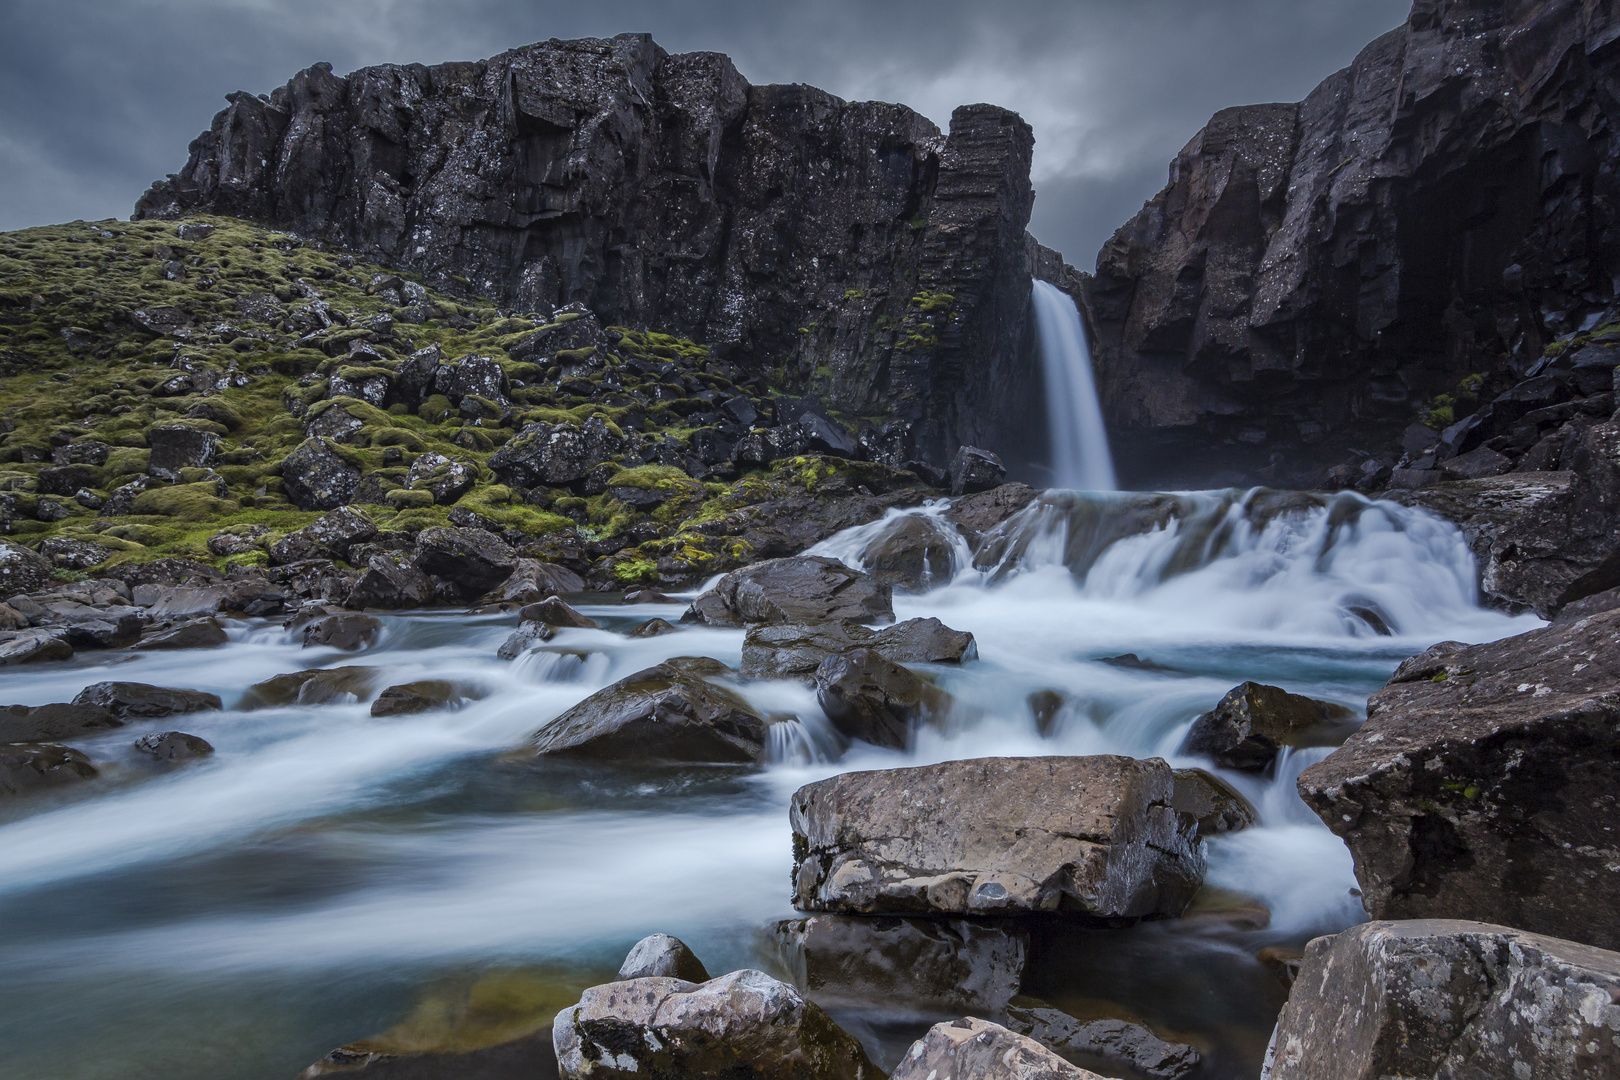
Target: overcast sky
point(100, 97)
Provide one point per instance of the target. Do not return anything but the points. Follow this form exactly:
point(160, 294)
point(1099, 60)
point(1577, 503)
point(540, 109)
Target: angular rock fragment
point(869, 698)
point(472, 560)
point(807, 589)
point(1254, 721)
point(974, 470)
point(553, 611)
point(203, 633)
point(329, 537)
point(33, 647)
point(315, 477)
point(391, 581)
point(128, 701)
point(416, 697)
point(525, 637)
point(48, 723)
point(532, 581)
point(350, 632)
point(1108, 1046)
point(661, 956)
point(22, 570)
point(176, 447)
point(916, 552)
point(784, 651)
point(972, 1049)
point(27, 767)
point(1216, 805)
point(169, 746)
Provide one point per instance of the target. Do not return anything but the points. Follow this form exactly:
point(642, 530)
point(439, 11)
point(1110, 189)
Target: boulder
point(641, 596)
point(917, 967)
point(167, 601)
point(661, 956)
point(32, 647)
point(544, 455)
point(322, 686)
point(112, 632)
point(169, 746)
point(68, 554)
point(391, 581)
point(22, 570)
point(1483, 784)
point(532, 581)
point(807, 589)
point(446, 479)
point(972, 1049)
point(915, 552)
point(238, 540)
point(203, 633)
point(1254, 721)
point(416, 697)
point(1089, 835)
point(127, 701)
point(1444, 998)
point(328, 537)
point(525, 637)
point(554, 612)
point(1213, 803)
point(26, 767)
point(350, 632)
point(653, 628)
point(316, 477)
point(872, 699)
point(1105, 1045)
point(660, 714)
point(176, 447)
point(743, 1026)
point(48, 723)
point(473, 561)
point(1046, 706)
point(974, 470)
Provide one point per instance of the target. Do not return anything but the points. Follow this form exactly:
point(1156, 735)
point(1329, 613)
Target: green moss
point(184, 502)
point(635, 571)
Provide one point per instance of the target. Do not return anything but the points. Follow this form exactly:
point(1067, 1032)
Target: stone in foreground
point(1093, 836)
point(663, 713)
point(662, 956)
point(1443, 998)
point(972, 1049)
point(1254, 721)
point(807, 589)
point(741, 1026)
point(1486, 785)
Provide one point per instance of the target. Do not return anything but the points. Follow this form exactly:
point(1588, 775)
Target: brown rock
point(869, 698)
point(1254, 721)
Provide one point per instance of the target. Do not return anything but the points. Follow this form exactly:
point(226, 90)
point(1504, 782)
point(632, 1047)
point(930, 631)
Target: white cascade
point(1080, 457)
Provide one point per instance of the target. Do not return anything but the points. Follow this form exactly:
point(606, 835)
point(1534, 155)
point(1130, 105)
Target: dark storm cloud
point(99, 98)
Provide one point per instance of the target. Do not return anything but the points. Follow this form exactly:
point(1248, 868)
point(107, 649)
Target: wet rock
point(1283, 963)
point(173, 746)
point(1476, 464)
point(391, 581)
point(525, 637)
point(315, 477)
point(1089, 835)
point(872, 699)
point(1105, 1045)
point(532, 581)
point(915, 553)
point(32, 647)
point(48, 723)
point(745, 1025)
point(177, 447)
point(659, 714)
point(330, 536)
point(204, 633)
point(653, 628)
point(416, 697)
point(646, 596)
point(1445, 998)
point(974, 470)
point(1254, 721)
point(972, 1049)
point(554, 612)
point(1046, 706)
point(446, 479)
point(29, 767)
point(802, 589)
point(1213, 803)
point(473, 561)
point(350, 632)
point(661, 956)
point(1482, 785)
point(127, 701)
point(22, 570)
point(975, 515)
point(906, 966)
point(792, 651)
point(322, 686)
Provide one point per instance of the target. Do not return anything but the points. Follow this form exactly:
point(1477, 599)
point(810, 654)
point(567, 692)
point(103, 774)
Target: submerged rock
point(916, 552)
point(1216, 805)
point(661, 956)
point(1254, 721)
point(745, 1025)
point(416, 697)
point(350, 632)
point(1448, 998)
point(972, 1049)
point(554, 612)
point(663, 713)
point(805, 589)
point(1046, 706)
point(1088, 835)
point(785, 651)
point(128, 701)
point(1108, 1045)
point(322, 686)
point(1483, 784)
point(525, 637)
point(27, 767)
point(653, 628)
point(173, 746)
point(869, 698)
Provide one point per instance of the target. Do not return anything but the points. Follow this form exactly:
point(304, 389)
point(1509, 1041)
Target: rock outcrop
point(1086, 835)
point(1314, 276)
point(1484, 784)
point(1444, 998)
point(883, 261)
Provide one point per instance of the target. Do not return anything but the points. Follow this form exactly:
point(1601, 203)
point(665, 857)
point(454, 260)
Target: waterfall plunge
point(1080, 457)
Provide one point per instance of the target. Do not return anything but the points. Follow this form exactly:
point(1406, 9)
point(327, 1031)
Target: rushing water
point(1080, 455)
point(239, 916)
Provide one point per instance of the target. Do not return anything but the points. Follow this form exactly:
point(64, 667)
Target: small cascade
point(1080, 457)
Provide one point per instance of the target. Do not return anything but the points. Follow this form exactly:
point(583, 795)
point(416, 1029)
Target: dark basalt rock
point(33, 647)
point(321, 686)
point(167, 746)
point(472, 560)
point(554, 612)
point(1315, 274)
point(1422, 998)
point(315, 477)
point(789, 651)
point(1482, 785)
point(1216, 805)
point(22, 570)
point(524, 638)
point(331, 537)
point(203, 633)
point(350, 632)
point(974, 470)
point(26, 767)
point(653, 628)
point(882, 261)
point(550, 454)
point(391, 581)
point(178, 447)
point(875, 700)
point(416, 697)
point(1108, 1045)
point(532, 581)
point(47, 723)
point(805, 589)
point(914, 553)
point(974, 1049)
point(446, 479)
point(127, 701)
point(661, 956)
point(1254, 721)
point(1085, 835)
point(975, 515)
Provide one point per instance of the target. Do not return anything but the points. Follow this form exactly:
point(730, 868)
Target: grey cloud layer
point(99, 98)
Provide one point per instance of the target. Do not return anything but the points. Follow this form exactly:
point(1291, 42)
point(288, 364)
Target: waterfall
point(1080, 457)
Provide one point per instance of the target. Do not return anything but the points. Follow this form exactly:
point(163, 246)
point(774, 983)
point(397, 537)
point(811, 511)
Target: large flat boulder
point(742, 1026)
point(664, 713)
point(1486, 784)
point(805, 589)
point(1443, 998)
point(791, 651)
point(973, 1049)
point(1094, 836)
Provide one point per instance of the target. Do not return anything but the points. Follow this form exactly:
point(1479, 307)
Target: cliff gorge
point(1315, 275)
point(849, 250)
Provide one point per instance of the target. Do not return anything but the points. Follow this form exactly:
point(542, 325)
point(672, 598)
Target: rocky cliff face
point(847, 249)
point(1316, 274)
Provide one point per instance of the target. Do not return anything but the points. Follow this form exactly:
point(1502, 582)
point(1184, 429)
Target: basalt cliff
point(847, 250)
